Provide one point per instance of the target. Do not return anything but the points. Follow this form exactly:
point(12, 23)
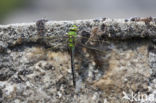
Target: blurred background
point(19, 11)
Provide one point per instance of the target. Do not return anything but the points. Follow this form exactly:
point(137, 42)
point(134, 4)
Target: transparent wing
point(81, 41)
point(94, 44)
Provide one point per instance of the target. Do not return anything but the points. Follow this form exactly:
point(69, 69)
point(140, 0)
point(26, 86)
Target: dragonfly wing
point(59, 42)
point(92, 44)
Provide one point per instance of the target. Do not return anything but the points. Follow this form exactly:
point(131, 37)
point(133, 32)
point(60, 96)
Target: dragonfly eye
point(73, 28)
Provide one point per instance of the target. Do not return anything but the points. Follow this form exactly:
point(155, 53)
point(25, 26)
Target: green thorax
point(72, 37)
point(72, 34)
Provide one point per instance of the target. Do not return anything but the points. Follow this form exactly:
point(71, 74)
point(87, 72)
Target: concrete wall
point(112, 57)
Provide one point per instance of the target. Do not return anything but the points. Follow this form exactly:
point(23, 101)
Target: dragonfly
point(71, 44)
point(72, 40)
point(76, 42)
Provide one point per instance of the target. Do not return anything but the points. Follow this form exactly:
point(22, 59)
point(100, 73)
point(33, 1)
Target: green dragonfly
point(72, 34)
point(76, 42)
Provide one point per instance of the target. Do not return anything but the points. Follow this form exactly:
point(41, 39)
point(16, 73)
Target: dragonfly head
point(73, 28)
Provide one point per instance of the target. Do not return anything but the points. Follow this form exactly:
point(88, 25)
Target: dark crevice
point(5, 77)
point(29, 44)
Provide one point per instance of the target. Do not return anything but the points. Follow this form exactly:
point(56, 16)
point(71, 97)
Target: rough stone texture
point(112, 57)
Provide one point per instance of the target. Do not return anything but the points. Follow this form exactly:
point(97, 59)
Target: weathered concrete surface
point(118, 57)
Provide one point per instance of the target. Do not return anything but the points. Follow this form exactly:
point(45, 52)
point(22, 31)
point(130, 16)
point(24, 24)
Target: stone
point(112, 57)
